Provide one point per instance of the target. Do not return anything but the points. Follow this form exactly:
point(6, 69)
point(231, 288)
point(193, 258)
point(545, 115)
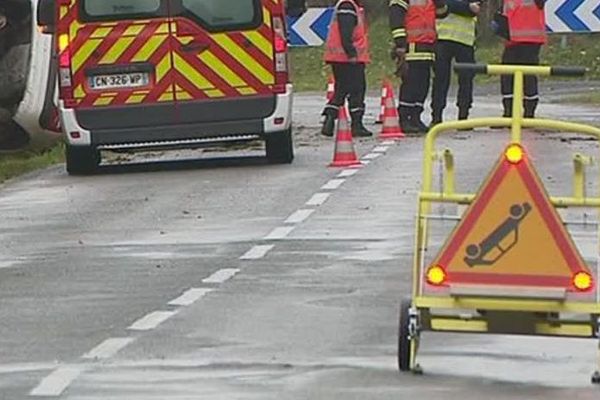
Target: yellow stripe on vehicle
point(74, 28)
point(214, 93)
point(182, 94)
point(79, 92)
point(163, 28)
point(167, 96)
point(246, 91)
point(117, 50)
point(163, 67)
point(101, 32)
point(214, 63)
point(103, 101)
point(133, 30)
point(64, 10)
point(260, 42)
point(191, 73)
point(149, 48)
point(135, 99)
point(84, 53)
point(245, 59)
point(266, 17)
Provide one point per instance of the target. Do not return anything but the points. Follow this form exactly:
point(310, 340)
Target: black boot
point(331, 115)
point(530, 107)
point(328, 126)
point(406, 121)
point(416, 120)
point(436, 118)
point(507, 104)
point(358, 129)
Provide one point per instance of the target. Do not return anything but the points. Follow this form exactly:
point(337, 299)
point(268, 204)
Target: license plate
point(119, 81)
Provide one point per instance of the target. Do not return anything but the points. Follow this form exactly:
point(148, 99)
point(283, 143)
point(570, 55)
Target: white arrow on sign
point(585, 12)
point(303, 26)
point(552, 20)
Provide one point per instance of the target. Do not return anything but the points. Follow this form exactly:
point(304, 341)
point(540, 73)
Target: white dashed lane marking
point(299, 216)
point(151, 320)
point(56, 383)
point(59, 380)
point(318, 199)
point(108, 348)
point(190, 297)
point(221, 275)
point(372, 156)
point(333, 184)
point(348, 173)
point(279, 233)
point(257, 252)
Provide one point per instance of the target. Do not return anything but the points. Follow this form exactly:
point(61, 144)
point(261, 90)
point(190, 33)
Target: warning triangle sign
point(512, 235)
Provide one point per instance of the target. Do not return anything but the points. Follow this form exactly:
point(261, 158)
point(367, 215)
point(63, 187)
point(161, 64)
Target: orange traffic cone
point(391, 128)
point(345, 155)
point(386, 88)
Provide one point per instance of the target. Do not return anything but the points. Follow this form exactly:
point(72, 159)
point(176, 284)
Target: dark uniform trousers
point(446, 51)
point(521, 54)
point(415, 87)
point(350, 83)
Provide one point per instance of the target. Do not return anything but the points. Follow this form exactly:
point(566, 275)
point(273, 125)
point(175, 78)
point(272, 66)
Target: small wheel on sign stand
point(596, 378)
point(405, 362)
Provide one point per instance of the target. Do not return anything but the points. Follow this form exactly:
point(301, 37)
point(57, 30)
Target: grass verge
point(12, 165)
point(586, 98)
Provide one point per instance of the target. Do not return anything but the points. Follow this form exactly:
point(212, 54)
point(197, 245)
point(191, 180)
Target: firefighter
point(347, 51)
point(456, 41)
point(523, 25)
point(413, 29)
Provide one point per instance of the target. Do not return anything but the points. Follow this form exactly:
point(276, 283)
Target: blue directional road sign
point(573, 16)
point(311, 28)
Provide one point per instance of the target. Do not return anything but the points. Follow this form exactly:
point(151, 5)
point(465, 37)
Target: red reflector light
point(279, 121)
point(280, 44)
point(65, 59)
point(75, 135)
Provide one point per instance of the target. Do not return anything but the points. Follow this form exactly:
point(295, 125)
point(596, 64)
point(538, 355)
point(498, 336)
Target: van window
point(222, 15)
point(119, 9)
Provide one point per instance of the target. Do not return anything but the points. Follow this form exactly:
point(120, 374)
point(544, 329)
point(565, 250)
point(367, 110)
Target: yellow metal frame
point(424, 304)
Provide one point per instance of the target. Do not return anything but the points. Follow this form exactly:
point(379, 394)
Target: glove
point(399, 55)
point(352, 54)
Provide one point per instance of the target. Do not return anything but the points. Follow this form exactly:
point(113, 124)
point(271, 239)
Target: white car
point(27, 78)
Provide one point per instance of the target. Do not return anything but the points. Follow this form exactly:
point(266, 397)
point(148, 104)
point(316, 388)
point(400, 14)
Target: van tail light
point(65, 78)
point(281, 54)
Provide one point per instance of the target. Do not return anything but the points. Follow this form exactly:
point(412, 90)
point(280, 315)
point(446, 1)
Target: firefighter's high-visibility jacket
point(526, 21)
point(413, 26)
point(460, 25)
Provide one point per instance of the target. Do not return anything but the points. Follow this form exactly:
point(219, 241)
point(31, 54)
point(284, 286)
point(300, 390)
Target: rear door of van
point(120, 61)
point(225, 59)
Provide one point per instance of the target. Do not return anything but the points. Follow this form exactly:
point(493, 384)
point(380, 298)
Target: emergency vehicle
point(147, 74)
point(27, 78)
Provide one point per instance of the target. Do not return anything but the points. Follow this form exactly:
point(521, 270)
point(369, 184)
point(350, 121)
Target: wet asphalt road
point(305, 298)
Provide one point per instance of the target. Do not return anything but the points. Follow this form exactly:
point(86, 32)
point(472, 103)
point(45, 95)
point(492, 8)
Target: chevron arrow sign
point(573, 16)
point(311, 28)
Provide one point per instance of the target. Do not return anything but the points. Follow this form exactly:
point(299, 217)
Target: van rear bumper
point(279, 120)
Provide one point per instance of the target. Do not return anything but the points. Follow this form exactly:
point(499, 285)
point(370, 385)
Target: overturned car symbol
point(477, 254)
